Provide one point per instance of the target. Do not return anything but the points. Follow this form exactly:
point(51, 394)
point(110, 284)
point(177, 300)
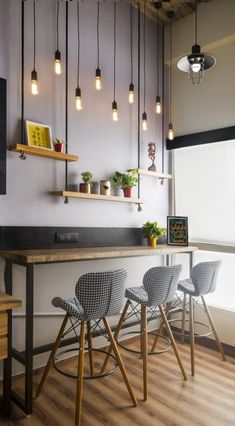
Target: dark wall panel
point(3, 104)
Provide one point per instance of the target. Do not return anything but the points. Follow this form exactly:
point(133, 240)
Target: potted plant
point(129, 180)
point(152, 231)
point(58, 145)
point(86, 185)
point(116, 183)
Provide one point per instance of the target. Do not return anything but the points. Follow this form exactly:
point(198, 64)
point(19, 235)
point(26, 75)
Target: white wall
point(102, 145)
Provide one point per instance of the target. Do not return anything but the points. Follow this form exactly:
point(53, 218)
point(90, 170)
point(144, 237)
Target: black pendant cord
point(98, 34)
point(144, 54)
point(114, 50)
point(138, 104)
point(22, 72)
point(170, 79)
point(131, 38)
point(57, 24)
point(163, 102)
point(34, 34)
point(66, 99)
point(78, 37)
point(195, 21)
point(158, 53)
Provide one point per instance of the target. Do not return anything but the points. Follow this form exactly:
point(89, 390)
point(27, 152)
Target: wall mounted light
point(98, 70)
point(78, 93)
point(131, 85)
point(144, 115)
point(34, 75)
point(57, 66)
point(158, 6)
point(114, 103)
point(170, 15)
point(196, 63)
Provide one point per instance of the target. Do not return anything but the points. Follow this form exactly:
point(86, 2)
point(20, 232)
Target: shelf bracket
point(22, 155)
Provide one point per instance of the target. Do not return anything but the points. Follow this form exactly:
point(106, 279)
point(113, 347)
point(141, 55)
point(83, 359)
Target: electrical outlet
point(66, 237)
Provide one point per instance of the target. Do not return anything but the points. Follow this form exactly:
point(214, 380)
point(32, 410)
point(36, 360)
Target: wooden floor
point(208, 399)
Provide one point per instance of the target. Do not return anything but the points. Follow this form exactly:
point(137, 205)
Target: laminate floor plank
point(208, 399)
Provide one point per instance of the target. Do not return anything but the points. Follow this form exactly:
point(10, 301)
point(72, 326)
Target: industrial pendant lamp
point(34, 75)
point(170, 15)
point(131, 85)
point(98, 70)
point(114, 103)
point(144, 115)
point(158, 5)
point(57, 67)
point(196, 63)
point(78, 93)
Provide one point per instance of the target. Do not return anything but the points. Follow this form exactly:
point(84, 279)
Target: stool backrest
point(161, 283)
point(204, 276)
point(101, 293)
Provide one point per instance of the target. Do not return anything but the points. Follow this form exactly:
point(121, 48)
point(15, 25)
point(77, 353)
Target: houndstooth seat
point(203, 279)
point(98, 295)
point(158, 289)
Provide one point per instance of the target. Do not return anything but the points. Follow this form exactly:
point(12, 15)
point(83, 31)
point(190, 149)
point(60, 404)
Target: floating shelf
point(81, 195)
point(154, 174)
point(40, 152)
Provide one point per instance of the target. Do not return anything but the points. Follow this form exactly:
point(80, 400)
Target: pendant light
point(78, 93)
point(98, 71)
point(34, 75)
point(57, 66)
point(144, 115)
point(131, 85)
point(196, 63)
point(114, 103)
point(170, 15)
point(158, 5)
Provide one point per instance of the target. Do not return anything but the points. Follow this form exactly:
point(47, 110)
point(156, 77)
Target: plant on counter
point(86, 186)
point(58, 144)
point(152, 231)
point(125, 181)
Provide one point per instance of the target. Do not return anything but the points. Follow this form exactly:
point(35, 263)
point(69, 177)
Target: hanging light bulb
point(98, 79)
point(78, 99)
point(170, 132)
point(131, 85)
point(78, 93)
point(58, 69)
point(115, 111)
point(131, 93)
point(158, 105)
point(57, 65)
point(144, 121)
point(98, 70)
point(34, 75)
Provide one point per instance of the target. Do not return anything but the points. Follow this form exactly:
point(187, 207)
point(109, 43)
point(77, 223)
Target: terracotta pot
point(58, 147)
point(127, 192)
point(152, 242)
point(85, 187)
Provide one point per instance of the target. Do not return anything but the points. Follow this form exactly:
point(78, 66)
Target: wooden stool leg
point(144, 348)
point(116, 334)
point(183, 317)
point(219, 344)
point(172, 339)
point(80, 375)
point(120, 362)
point(90, 347)
point(167, 311)
point(191, 324)
point(52, 354)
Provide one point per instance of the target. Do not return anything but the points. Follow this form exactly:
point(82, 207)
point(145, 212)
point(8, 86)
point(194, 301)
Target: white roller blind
point(205, 190)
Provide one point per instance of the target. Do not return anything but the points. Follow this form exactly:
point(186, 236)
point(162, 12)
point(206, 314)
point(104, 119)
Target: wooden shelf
point(154, 174)
point(82, 195)
point(40, 152)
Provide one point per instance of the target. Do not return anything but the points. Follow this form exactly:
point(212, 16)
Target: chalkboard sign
point(177, 230)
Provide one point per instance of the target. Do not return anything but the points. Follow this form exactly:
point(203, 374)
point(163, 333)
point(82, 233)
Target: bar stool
point(159, 287)
point(203, 279)
point(97, 296)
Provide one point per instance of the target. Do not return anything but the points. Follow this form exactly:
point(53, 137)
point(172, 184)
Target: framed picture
point(38, 135)
point(177, 230)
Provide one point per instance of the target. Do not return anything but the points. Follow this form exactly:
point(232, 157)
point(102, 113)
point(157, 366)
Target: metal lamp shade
point(184, 63)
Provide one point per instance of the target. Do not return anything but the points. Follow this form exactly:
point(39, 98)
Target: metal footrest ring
point(95, 376)
point(186, 333)
point(139, 352)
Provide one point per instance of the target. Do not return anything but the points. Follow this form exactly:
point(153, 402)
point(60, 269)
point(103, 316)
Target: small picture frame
point(177, 230)
point(38, 135)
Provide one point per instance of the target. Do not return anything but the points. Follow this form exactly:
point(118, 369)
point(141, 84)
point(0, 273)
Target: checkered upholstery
point(203, 279)
point(159, 286)
point(98, 294)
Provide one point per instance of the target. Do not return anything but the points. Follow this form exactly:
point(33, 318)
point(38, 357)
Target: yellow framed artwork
point(38, 135)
